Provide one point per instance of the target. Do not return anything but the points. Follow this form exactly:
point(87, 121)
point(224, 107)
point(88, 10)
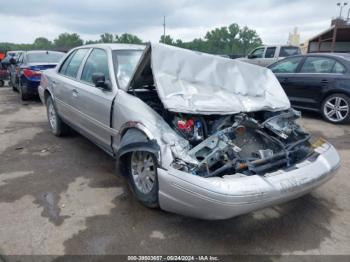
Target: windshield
point(125, 62)
point(44, 57)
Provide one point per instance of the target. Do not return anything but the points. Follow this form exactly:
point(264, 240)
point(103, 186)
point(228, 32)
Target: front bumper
point(229, 196)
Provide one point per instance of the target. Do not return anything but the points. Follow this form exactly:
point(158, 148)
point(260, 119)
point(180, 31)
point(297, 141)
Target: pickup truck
point(267, 55)
point(194, 134)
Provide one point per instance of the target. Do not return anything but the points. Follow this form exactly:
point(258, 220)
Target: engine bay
point(253, 143)
point(246, 143)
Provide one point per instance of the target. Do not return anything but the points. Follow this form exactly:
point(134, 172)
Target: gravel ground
point(62, 196)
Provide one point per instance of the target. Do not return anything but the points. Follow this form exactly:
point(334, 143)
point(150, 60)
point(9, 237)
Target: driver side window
point(257, 53)
point(97, 62)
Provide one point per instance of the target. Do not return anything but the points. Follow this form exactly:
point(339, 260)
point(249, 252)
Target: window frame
point(331, 72)
point(262, 54)
point(301, 62)
point(274, 54)
point(81, 69)
point(70, 56)
point(116, 64)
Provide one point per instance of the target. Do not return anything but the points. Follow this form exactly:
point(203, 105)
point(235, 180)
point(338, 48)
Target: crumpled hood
point(194, 82)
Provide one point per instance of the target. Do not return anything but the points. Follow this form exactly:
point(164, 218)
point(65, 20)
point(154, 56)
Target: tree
point(107, 38)
point(67, 41)
point(128, 39)
point(167, 40)
point(42, 43)
point(249, 39)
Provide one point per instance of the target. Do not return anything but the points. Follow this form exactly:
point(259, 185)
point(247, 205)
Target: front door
point(92, 103)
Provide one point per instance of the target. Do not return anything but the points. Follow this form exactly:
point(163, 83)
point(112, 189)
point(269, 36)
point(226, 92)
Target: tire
point(57, 126)
point(145, 189)
point(24, 96)
point(336, 109)
point(2, 83)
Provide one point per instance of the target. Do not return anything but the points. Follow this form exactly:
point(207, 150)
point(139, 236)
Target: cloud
point(186, 19)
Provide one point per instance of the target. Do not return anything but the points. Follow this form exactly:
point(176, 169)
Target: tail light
point(31, 73)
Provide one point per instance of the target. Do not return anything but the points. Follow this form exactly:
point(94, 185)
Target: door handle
point(284, 80)
point(324, 81)
point(75, 93)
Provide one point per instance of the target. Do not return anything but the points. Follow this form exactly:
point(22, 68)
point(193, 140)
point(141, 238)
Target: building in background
point(334, 39)
point(294, 38)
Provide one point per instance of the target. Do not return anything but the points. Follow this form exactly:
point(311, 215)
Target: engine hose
point(270, 138)
point(290, 146)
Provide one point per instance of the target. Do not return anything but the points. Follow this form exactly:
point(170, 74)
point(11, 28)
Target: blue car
point(28, 68)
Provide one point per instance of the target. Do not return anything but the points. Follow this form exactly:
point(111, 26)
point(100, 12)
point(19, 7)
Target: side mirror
point(13, 61)
point(99, 80)
point(251, 56)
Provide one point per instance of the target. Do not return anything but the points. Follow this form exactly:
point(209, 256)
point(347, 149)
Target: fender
point(136, 140)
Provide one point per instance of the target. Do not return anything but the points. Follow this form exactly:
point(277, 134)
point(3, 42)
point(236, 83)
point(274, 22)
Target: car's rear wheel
point(22, 92)
point(57, 126)
point(336, 109)
point(142, 175)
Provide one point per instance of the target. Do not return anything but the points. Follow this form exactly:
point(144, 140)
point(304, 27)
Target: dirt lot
point(62, 196)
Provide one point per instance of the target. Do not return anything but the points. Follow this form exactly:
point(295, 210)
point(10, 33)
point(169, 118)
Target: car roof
point(42, 51)
point(345, 56)
point(116, 46)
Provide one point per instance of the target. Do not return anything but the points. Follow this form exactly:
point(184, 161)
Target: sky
point(21, 21)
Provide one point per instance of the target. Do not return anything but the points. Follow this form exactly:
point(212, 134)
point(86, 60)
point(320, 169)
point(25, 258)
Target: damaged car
point(195, 134)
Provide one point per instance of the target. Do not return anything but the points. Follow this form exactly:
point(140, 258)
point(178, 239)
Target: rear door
point(94, 104)
point(314, 76)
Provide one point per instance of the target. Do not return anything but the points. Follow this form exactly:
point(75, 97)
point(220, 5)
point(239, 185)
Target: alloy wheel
point(336, 109)
point(52, 116)
point(143, 171)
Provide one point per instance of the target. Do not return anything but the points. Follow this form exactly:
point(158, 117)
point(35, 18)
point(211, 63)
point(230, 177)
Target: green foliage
point(42, 43)
point(67, 41)
point(167, 40)
point(230, 39)
point(107, 38)
point(223, 40)
point(128, 39)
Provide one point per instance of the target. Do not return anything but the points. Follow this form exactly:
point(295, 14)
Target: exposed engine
point(253, 143)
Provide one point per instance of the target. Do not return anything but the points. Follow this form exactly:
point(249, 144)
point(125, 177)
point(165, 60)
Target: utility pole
point(164, 30)
point(341, 5)
point(348, 17)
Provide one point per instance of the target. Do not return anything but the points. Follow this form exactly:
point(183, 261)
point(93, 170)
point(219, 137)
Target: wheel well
point(46, 94)
point(332, 92)
point(134, 139)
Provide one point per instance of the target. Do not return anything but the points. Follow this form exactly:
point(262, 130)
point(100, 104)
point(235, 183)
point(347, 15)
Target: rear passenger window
point(72, 64)
point(317, 65)
point(270, 52)
point(97, 62)
point(338, 68)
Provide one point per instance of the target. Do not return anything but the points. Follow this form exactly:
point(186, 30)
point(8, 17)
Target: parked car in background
point(28, 68)
point(195, 134)
point(267, 55)
point(6, 62)
point(3, 74)
point(318, 82)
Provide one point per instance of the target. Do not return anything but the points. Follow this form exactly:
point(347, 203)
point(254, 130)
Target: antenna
point(164, 30)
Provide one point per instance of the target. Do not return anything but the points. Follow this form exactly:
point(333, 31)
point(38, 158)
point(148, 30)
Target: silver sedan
point(195, 134)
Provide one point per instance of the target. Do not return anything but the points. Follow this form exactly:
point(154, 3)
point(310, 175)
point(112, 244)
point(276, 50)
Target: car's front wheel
point(142, 175)
point(57, 126)
point(336, 109)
